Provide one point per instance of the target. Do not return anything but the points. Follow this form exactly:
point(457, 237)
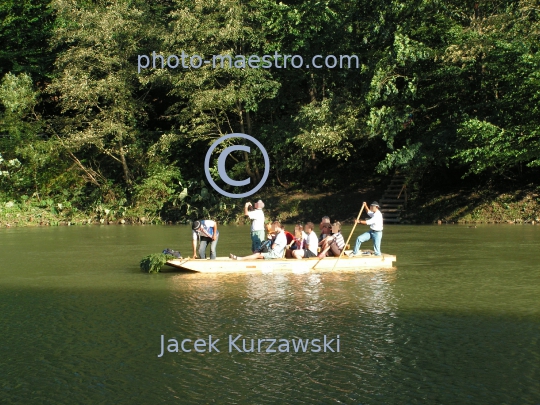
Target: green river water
point(456, 322)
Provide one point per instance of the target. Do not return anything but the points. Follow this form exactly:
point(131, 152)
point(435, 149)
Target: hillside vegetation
point(434, 89)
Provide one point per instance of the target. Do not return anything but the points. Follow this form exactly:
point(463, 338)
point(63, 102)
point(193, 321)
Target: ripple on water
point(456, 322)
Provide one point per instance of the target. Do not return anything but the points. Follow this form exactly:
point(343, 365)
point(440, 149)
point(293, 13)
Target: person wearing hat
point(205, 232)
point(325, 223)
point(257, 224)
point(375, 222)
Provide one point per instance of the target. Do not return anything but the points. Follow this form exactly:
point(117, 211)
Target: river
point(456, 322)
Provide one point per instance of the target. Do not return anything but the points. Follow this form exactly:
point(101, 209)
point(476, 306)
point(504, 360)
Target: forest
point(445, 92)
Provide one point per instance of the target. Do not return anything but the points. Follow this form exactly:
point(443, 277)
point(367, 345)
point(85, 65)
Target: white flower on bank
point(14, 163)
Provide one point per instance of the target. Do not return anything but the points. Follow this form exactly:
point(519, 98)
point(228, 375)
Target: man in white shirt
point(277, 250)
point(257, 224)
point(375, 222)
point(206, 233)
point(311, 243)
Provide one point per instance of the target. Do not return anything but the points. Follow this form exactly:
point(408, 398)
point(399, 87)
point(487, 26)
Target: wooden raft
point(226, 265)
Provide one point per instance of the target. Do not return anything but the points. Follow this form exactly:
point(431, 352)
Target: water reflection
point(359, 307)
point(457, 324)
point(284, 303)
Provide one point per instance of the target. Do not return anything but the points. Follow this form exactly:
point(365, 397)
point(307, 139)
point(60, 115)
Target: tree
point(25, 28)
point(223, 97)
point(501, 134)
point(98, 88)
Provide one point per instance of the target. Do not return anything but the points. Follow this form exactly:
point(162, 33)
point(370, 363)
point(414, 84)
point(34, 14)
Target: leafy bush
point(153, 263)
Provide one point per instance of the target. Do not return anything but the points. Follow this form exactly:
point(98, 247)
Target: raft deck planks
point(226, 265)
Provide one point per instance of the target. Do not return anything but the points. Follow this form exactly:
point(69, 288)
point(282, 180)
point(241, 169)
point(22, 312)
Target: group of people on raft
point(272, 241)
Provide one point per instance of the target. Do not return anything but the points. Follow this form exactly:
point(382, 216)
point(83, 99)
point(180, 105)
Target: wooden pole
point(357, 218)
point(349, 238)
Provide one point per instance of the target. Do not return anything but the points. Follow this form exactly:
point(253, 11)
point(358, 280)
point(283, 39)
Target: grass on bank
point(479, 205)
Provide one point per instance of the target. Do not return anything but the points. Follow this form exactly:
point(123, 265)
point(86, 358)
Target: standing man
point(206, 232)
point(257, 224)
point(376, 224)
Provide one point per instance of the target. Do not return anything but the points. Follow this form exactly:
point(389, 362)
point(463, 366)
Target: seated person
point(298, 242)
point(326, 231)
point(277, 250)
point(311, 243)
point(289, 236)
point(325, 222)
point(333, 245)
point(270, 236)
point(300, 234)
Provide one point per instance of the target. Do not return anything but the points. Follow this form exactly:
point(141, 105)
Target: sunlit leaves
point(19, 121)
point(96, 83)
point(17, 93)
point(488, 147)
point(325, 129)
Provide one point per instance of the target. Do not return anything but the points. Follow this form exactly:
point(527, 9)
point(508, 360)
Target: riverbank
point(474, 205)
point(480, 205)
point(289, 207)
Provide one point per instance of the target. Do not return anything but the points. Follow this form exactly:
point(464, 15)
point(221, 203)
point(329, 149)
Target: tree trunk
point(255, 167)
point(313, 90)
point(249, 172)
point(127, 174)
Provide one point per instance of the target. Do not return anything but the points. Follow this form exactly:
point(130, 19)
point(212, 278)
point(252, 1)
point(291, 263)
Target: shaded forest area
point(447, 92)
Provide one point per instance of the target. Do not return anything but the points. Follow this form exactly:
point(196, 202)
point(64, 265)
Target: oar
point(313, 268)
point(316, 264)
point(346, 243)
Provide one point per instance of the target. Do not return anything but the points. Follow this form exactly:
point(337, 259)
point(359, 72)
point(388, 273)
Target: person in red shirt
point(289, 236)
point(271, 234)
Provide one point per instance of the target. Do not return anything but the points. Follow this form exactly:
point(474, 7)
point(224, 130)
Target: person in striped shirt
point(333, 245)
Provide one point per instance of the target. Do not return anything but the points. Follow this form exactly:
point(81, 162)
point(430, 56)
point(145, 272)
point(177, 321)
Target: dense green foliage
point(441, 85)
point(154, 262)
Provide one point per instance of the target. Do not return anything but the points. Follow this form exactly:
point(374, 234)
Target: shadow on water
point(89, 345)
point(458, 323)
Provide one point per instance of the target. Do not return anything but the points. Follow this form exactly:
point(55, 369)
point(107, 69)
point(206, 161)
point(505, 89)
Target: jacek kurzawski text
point(238, 344)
